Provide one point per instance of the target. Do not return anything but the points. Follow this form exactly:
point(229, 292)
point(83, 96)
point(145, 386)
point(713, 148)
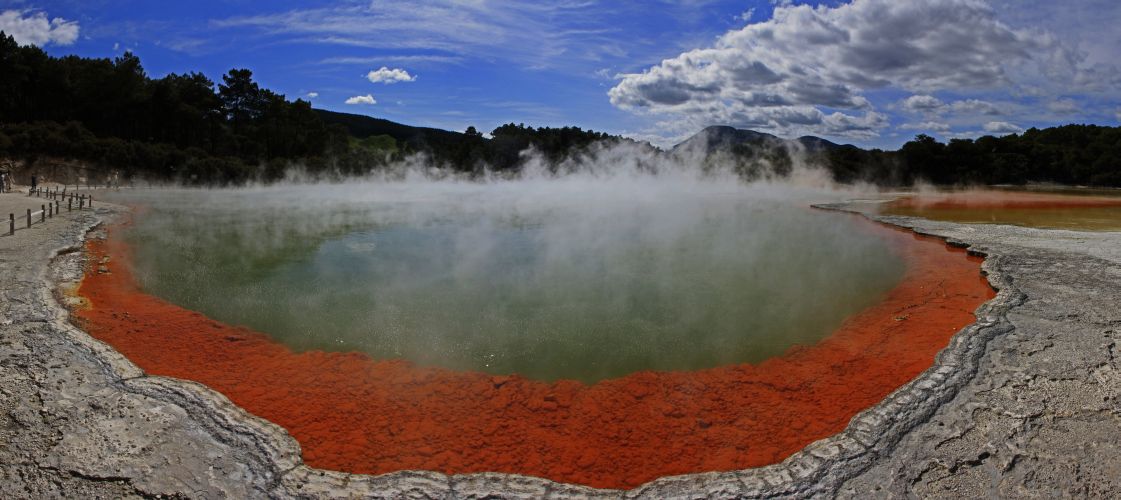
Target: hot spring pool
point(564, 279)
point(1076, 209)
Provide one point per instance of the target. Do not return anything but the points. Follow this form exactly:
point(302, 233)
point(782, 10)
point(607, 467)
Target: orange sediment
point(1003, 200)
point(356, 414)
point(1082, 212)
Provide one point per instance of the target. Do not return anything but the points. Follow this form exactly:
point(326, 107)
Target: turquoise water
point(567, 280)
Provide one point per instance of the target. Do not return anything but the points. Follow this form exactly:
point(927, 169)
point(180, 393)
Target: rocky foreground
point(1023, 403)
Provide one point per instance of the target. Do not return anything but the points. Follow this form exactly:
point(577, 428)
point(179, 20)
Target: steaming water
point(578, 278)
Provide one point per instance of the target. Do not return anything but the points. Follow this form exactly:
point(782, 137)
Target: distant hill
point(724, 138)
point(813, 143)
point(471, 151)
point(362, 126)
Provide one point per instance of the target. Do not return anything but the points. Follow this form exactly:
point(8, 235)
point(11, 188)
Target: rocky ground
point(1023, 403)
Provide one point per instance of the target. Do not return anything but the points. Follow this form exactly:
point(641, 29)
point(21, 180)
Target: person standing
point(34, 181)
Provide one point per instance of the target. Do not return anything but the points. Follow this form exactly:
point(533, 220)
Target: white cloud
point(36, 29)
point(931, 105)
point(1002, 128)
point(967, 134)
point(388, 76)
point(932, 126)
point(975, 107)
point(312, 95)
point(530, 32)
point(923, 104)
point(829, 57)
point(412, 59)
point(1063, 106)
point(1087, 58)
point(746, 15)
point(362, 99)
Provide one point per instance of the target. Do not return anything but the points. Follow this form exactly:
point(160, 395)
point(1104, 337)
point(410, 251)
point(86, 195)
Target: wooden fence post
point(50, 210)
point(12, 224)
point(29, 218)
point(70, 204)
point(43, 213)
point(57, 207)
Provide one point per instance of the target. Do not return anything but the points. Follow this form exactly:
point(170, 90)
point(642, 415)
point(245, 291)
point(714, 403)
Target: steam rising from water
point(611, 268)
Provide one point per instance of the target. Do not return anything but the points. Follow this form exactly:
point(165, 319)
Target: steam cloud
point(614, 261)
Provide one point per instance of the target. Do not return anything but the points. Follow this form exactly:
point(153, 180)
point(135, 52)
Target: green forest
point(1085, 155)
point(108, 113)
point(188, 128)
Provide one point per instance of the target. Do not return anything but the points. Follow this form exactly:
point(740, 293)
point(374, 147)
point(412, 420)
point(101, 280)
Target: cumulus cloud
point(975, 107)
point(362, 99)
point(932, 126)
point(923, 104)
point(35, 28)
point(312, 95)
point(746, 15)
point(828, 57)
point(388, 76)
point(1063, 106)
point(1002, 128)
point(930, 105)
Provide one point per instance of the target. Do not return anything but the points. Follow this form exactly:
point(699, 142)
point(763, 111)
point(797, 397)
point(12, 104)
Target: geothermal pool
point(569, 281)
point(1077, 209)
point(604, 332)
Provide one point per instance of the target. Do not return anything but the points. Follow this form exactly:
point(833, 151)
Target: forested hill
point(1087, 155)
point(362, 126)
point(110, 115)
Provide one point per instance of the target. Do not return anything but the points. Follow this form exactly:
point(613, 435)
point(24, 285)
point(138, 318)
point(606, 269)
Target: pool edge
point(820, 467)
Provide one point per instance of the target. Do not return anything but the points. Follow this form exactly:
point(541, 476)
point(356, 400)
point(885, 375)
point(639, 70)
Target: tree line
point(188, 128)
point(1088, 155)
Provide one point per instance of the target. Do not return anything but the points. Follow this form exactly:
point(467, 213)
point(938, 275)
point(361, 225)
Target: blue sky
point(869, 72)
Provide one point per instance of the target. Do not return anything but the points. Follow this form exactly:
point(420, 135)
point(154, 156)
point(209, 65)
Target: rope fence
point(53, 206)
